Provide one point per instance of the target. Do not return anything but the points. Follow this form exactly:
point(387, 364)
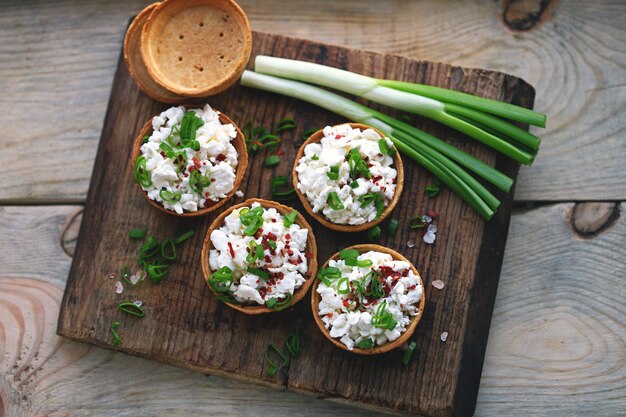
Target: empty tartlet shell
point(242, 166)
point(135, 65)
point(197, 63)
point(311, 247)
point(404, 337)
point(319, 216)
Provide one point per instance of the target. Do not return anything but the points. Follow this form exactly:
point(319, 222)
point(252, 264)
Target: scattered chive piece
point(408, 354)
point(279, 305)
point(373, 235)
point(261, 273)
point(315, 157)
point(142, 175)
point(285, 124)
point(384, 147)
point(169, 196)
point(274, 368)
point(272, 161)
point(145, 139)
point(168, 249)
point(383, 318)
point(417, 222)
point(343, 286)
point(157, 271)
point(365, 343)
point(124, 275)
point(334, 202)
point(360, 263)
point(433, 189)
point(354, 184)
point(392, 228)
point(329, 274)
point(278, 182)
point(131, 308)
point(136, 234)
point(180, 239)
point(271, 302)
point(271, 244)
point(293, 345)
point(307, 133)
point(116, 336)
point(290, 218)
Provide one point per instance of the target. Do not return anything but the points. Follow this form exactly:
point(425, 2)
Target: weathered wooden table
point(558, 336)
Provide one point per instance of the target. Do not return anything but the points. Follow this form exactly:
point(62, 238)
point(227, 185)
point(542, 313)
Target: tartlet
point(265, 264)
point(137, 68)
point(196, 48)
point(360, 301)
point(210, 170)
point(344, 178)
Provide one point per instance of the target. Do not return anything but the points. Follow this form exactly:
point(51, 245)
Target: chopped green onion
point(307, 134)
point(168, 249)
point(253, 226)
point(272, 160)
point(392, 228)
point(334, 202)
point(168, 196)
point(367, 199)
point(383, 318)
point(180, 239)
point(279, 305)
point(343, 286)
point(348, 253)
point(271, 244)
point(124, 275)
point(256, 252)
point(365, 343)
point(333, 174)
point(188, 127)
point(274, 367)
point(384, 147)
point(116, 336)
point(157, 271)
point(261, 273)
point(145, 139)
point(357, 164)
point(354, 184)
point(433, 189)
point(315, 157)
point(376, 290)
point(197, 181)
point(142, 175)
point(167, 150)
point(131, 308)
point(417, 222)
point(329, 274)
point(360, 263)
point(285, 124)
point(373, 234)
point(409, 352)
point(293, 345)
point(290, 218)
point(221, 280)
point(278, 182)
point(150, 247)
point(136, 234)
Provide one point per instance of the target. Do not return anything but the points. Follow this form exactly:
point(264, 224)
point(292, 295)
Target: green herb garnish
point(221, 280)
point(290, 218)
point(373, 234)
point(333, 174)
point(383, 318)
point(392, 228)
point(334, 202)
point(329, 274)
point(293, 345)
point(116, 336)
point(307, 133)
point(261, 273)
point(180, 239)
point(274, 367)
point(142, 175)
point(169, 196)
point(136, 234)
point(272, 161)
point(168, 249)
point(285, 124)
point(276, 184)
point(408, 354)
point(365, 343)
point(131, 308)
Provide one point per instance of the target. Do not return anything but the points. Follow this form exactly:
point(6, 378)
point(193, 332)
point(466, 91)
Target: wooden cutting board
point(186, 326)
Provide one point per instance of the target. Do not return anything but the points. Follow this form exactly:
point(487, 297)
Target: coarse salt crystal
point(432, 228)
point(444, 336)
point(134, 279)
point(112, 275)
point(429, 238)
point(426, 218)
point(438, 284)
point(138, 303)
point(239, 193)
point(410, 243)
point(119, 287)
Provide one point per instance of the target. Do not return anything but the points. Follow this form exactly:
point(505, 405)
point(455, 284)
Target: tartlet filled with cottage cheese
point(259, 257)
point(349, 177)
point(189, 162)
point(368, 299)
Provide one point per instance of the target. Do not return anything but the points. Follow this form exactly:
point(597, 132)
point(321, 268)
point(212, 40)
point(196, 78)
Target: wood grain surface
point(550, 347)
point(185, 325)
point(63, 55)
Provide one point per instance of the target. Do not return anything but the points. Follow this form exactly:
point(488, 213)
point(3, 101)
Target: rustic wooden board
point(186, 326)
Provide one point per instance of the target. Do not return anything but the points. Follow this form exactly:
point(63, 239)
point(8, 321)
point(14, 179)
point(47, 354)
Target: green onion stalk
point(441, 159)
point(477, 117)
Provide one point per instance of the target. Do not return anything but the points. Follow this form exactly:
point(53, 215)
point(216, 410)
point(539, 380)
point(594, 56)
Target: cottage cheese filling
point(363, 314)
point(171, 159)
point(282, 264)
point(347, 175)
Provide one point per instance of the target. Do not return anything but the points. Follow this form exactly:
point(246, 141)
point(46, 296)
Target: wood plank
point(572, 340)
point(64, 53)
point(188, 327)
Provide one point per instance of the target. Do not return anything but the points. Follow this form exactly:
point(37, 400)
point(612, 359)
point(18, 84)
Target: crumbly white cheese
point(287, 264)
point(216, 159)
point(332, 151)
point(351, 322)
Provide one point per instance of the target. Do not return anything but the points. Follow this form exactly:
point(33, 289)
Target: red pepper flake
point(279, 152)
point(290, 252)
point(273, 220)
point(287, 236)
point(268, 259)
point(377, 178)
point(338, 136)
point(432, 214)
point(206, 195)
point(329, 315)
point(221, 157)
point(412, 287)
point(196, 162)
point(231, 250)
point(162, 154)
point(346, 303)
point(191, 168)
point(185, 175)
point(212, 179)
point(270, 236)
